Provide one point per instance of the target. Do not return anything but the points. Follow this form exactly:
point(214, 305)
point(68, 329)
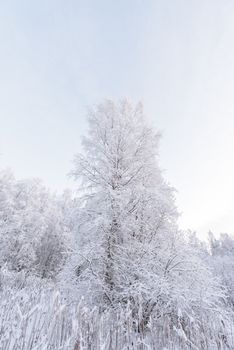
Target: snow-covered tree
point(126, 201)
point(130, 248)
point(222, 261)
point(32, 232)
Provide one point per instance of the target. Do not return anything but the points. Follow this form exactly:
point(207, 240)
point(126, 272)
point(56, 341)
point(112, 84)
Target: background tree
point(222, 261)
point(32, 229)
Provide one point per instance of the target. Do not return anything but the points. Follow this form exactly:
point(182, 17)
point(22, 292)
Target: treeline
point(117, 245)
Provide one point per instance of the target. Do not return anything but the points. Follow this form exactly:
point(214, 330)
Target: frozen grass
point(44, 320)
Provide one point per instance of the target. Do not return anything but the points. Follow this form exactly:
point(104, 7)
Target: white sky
point(57, 57)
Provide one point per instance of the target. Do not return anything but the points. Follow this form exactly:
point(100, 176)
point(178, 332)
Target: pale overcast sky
point(57, 57)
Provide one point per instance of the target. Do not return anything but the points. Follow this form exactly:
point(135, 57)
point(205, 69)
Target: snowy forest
point(109, 267)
